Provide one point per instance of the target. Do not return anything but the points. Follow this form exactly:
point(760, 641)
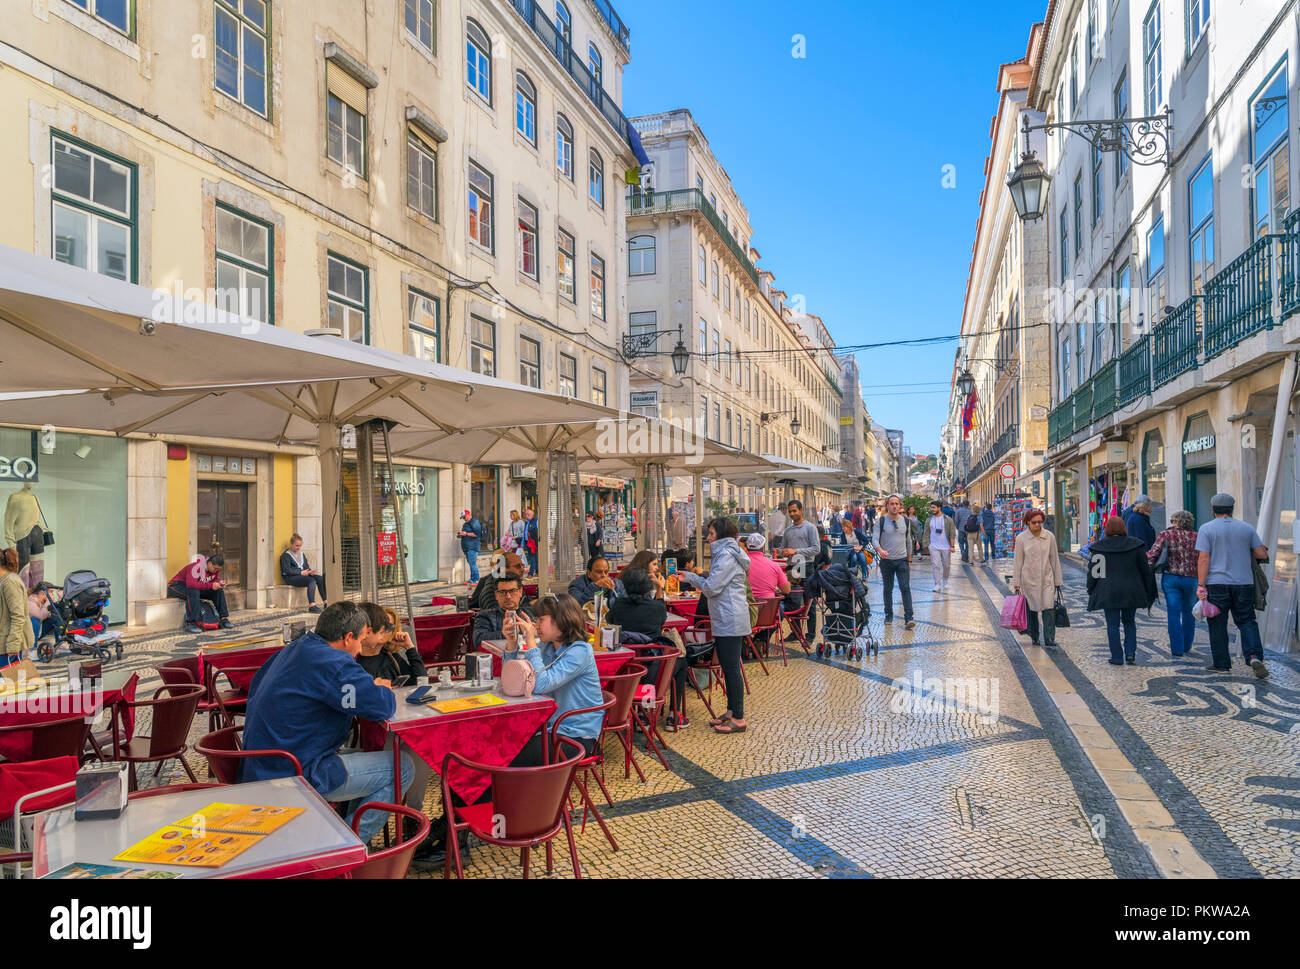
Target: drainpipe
point(1268, 507)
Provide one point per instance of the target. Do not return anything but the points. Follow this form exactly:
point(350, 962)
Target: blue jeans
point(858, 561)
point(1113, 619)
point(965, 547)
point(1240, 600)
point(989, 551)
point(370, 778)
point(1180, 596)
point(889, 569)
point(471, 556)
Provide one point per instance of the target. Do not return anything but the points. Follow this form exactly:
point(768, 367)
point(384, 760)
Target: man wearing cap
point(1226, 579)
point(766, 578)
point(471, 538)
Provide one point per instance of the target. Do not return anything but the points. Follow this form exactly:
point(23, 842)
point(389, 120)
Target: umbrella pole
point(331, 544)
point(699, 520)
point(643, 508)
point(543, 512)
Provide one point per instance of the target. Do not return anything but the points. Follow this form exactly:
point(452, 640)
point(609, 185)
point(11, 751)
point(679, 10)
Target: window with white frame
point(1270, 152)
point(1152, 77)
point(244, 259)
point(526, 107)
point(596, 178)
point(239, 49)
point(641, 326)
point(120, 14)
point(482, 346)
point(1123, 299)
point(1157, 280)
point(716, 279)
point(564, 23)
point(564, 146)
point(480, 206)
point(421, 176)
point(345, 124)
point(704, 266)
point(1200, 205)
point(419, 22)
point(478, 61)
point(1093, 36)
point(527, 239)
point(596, 64)
point(1100, 335)
point(1198, 18)
point(597, 287)
point(704, 337)
point(568, 376)
point(1121, 111)
point(347, 303)
point(641, 256)
point(424, 324)
point(566, 265)
point(726, 356)
point(726, 291)
point(94, 200)
point(1078, 215)
point(599, 393)
point(717, 352)
point(1098, 186)
point(530, 362)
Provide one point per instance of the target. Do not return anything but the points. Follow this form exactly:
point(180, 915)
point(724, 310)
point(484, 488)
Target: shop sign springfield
point(1200, 444)
point(17, 469)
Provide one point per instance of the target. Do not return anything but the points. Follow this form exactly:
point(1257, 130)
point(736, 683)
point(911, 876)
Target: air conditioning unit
point(516, 472)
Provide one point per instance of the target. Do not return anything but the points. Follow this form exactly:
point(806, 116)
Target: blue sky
point(839, 157)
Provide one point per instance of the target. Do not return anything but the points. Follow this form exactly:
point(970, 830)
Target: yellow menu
point(479, 702)
point(242, 818)
point(175, 845)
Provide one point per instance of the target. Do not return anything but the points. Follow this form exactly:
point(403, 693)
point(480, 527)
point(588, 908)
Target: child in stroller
point(846, 625)
point(76, 617)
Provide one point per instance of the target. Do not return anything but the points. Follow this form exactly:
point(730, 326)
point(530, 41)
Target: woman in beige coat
point(1037, 576)
point(16, 636)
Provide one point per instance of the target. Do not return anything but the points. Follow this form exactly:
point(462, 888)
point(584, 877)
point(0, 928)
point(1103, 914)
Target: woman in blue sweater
point(566, 671)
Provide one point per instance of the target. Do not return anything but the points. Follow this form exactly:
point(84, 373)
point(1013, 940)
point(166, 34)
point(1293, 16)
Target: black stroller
point(79, 620)
point(846, 621)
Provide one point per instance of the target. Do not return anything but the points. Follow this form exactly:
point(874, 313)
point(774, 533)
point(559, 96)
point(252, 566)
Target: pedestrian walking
point(1036, 575)
point(972, 530)
point(914, 528)
point(893, 541)
point(529, 550)
point(1138, 522)
point(987, 526)
point(595, 536)
point(959, 519)
point(1226, 579)
point(1120, 582)
point(471, 541)
point(837, 526)
point(1177, 544)
point(937, 540)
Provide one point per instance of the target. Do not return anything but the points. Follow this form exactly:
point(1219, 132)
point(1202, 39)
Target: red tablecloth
point(40, 706)
point(684, 607)
point(681, 624)
point(224, 658)
point(493, 736)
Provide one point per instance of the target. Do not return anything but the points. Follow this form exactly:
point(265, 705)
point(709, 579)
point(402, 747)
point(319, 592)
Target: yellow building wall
point(179, 515)
point(282, 507)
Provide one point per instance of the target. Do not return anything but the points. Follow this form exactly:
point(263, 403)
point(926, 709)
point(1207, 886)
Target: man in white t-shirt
point(938, 538)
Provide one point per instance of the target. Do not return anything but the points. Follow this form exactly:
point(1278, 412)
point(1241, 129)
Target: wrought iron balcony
point(1135, 371)
point(1176, 339)
point(1239, 300)
point(1009, 439)
point(544, 27)
point(1083, 407)
point(1289, 283)
point(1060, 422)
point(685, 200)
point(1103, 392)
point(615, 23)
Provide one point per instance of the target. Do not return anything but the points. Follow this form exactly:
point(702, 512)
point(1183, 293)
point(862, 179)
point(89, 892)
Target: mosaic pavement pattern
point(944, 756)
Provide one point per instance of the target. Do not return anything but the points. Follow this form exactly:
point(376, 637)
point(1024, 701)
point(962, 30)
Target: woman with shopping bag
point(1120, 582)
point(1037, 576)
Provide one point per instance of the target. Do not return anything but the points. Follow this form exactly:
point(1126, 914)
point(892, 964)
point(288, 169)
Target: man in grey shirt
point(893, 538)
point(959, 519)
point(800, 539)
point(1225, 548)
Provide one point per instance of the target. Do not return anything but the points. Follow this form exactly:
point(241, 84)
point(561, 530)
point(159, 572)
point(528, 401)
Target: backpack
point(207, 619)
point(972, 524)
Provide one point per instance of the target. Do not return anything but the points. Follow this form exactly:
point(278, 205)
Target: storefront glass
point(1067, 509)
point(485, 502)
point(413, 493)
point(78, 482)
point(1153, 478)
point(1200, 467)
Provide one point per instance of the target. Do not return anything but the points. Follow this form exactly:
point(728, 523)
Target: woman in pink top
point(766, 578)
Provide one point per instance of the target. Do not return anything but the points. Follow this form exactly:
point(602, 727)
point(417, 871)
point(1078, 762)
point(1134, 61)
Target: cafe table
point(240, 653)
point(59, 700)
point(683, 605)
point(315, 842)
point(491, 735)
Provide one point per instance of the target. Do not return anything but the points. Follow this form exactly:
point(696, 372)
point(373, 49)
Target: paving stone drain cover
point(1024, 818)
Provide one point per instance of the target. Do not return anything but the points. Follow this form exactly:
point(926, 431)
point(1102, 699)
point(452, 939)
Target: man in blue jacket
point(471, 540)
point(303, 700)
point(988, 527)
point(1138, 522)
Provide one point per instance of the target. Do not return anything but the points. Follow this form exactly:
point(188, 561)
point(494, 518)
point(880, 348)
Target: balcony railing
point(1135, 372)
point(544, 27)
point(1239, 300)
point(1103, 392)
point(1009, 439)
point(1289, 283)
point(1082, 407)
point(615, 23)
point(685, 200)
point(1176, 339)
point(1060, 422)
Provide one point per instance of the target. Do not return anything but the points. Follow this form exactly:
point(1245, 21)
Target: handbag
point(47, 536)
point(1015, 613)
point(1062, 617)
point(1261, 583)
point(518, 678)
point(1162, 562)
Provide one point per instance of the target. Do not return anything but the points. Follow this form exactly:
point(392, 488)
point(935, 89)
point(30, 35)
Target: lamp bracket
point(1145, 141)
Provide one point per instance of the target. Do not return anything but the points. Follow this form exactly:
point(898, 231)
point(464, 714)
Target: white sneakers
point(934, 589)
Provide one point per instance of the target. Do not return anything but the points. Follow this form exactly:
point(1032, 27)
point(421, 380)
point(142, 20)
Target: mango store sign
point(17, 469)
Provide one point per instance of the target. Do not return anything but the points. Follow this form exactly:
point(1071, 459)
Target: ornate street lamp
point(681, 356)
point(1028, 186)
point(643, 345)
point(965, 383)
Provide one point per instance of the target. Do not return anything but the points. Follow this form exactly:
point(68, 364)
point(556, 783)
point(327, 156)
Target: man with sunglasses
point(893, 539)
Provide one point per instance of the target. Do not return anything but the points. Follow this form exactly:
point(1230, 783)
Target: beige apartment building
point(443, 179)
point(760, 364)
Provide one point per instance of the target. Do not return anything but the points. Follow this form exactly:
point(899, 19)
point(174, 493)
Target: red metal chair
point(173, 714)
point(16, 859)
point(102, 739)
point(181, 671)
point(391, 862)
point(53, 738)
point(444, 640)
point(588, 767)
point(34, 786)
point(224, 751)
point(226, 704)
point(618, 718)
point(797, 618)
point(769, 621)
point(652, 698)
point(700, 635)
point(532, 801)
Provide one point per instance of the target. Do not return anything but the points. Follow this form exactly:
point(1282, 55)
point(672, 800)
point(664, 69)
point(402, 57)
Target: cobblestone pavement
point(951, 754)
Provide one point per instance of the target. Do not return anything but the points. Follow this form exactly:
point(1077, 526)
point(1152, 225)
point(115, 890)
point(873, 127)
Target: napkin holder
point(101, 792)
point(478, 668)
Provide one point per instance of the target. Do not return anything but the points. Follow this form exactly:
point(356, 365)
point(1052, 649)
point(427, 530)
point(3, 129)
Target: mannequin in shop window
point(24, 533)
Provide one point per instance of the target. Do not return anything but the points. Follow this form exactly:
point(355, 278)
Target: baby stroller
point(79, 620)
point(846, 622)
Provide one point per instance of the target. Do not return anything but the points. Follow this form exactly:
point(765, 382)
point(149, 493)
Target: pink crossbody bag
point(518, 676)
